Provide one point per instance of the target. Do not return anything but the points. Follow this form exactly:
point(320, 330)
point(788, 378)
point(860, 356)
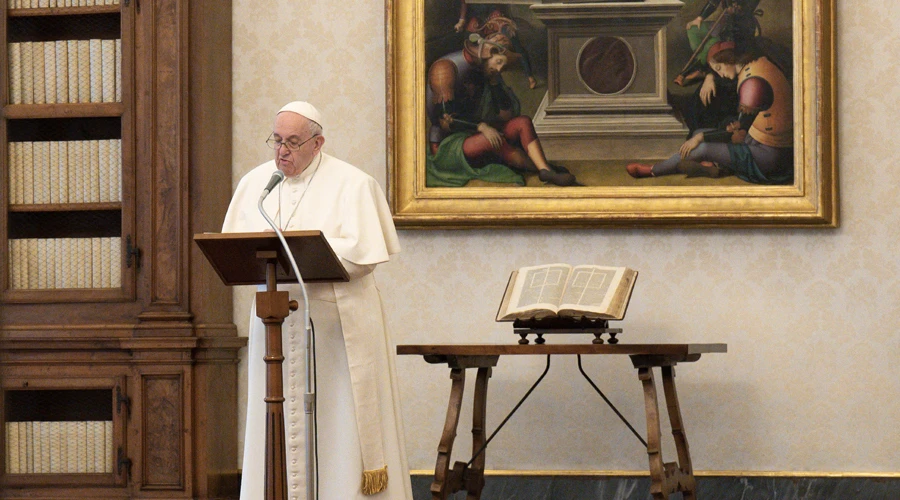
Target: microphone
point(277, 177)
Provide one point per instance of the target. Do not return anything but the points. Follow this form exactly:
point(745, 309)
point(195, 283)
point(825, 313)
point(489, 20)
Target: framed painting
point(530, 113)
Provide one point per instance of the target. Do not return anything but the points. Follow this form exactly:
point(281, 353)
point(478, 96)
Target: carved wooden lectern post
point(257, 258)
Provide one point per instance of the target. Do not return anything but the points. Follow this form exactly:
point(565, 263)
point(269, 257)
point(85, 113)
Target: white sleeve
point(367, 234)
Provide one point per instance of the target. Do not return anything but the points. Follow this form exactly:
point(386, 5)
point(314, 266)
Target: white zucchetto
point(303, 109)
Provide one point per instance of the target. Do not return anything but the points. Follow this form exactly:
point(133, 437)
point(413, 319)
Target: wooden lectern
point(254, 259)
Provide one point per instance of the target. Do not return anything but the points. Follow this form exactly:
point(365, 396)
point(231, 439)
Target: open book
point(561, 290)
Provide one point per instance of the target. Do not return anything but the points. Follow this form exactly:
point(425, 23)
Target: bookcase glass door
point(57, 432)
point(68, 222)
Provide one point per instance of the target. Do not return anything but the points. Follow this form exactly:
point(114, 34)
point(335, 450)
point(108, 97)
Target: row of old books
point(65, 71)
point(59, 447)
point(65, 171)
point(43, 4)
point(62, 263)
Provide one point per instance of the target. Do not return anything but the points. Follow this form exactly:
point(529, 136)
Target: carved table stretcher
point(666, 478)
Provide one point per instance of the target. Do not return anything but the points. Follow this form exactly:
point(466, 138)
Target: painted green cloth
point(745, 168)
point(695, 35)
point(449, 168)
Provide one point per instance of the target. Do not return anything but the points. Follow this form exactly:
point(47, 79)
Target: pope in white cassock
point(361, 450)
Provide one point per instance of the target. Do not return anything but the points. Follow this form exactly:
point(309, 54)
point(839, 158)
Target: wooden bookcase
point(118, 355)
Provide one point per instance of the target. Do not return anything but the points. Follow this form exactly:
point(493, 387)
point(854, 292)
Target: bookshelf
point(118, 354)
point(64, 151)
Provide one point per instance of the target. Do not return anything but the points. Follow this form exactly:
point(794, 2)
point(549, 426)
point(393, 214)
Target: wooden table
point(665, 477)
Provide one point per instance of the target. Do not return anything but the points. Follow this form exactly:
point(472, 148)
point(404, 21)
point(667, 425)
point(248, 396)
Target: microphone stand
point(309, 398)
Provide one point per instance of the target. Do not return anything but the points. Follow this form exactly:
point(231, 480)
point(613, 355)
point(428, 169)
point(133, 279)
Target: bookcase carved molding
point(118, 355)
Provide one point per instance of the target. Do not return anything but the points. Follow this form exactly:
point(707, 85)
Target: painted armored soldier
point(477, 130)
point(739, 23)
point(758, 146)
point(474, 17)
point(715, 99)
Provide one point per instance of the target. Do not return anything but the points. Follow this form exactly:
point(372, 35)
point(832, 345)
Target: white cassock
point(360, 434)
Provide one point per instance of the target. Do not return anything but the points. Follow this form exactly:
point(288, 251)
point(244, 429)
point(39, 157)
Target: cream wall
point(812, 378)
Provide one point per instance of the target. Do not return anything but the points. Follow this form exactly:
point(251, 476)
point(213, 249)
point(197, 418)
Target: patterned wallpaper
point(811, 377)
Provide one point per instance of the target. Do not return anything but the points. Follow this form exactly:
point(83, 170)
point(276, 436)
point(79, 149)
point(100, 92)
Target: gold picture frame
point(810, 200)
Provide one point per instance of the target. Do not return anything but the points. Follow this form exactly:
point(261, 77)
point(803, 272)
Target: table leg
point(440, 486)
point(666, 478)
point(654, 453)
point(685, 469)
point(475, 474)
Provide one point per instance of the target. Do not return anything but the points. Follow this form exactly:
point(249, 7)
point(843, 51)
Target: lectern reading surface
point(234, 257)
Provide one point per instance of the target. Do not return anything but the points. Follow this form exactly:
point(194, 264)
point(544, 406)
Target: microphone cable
point(310, 395)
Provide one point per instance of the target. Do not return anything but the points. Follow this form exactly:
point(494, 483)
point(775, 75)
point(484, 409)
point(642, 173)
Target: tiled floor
point(708, 488)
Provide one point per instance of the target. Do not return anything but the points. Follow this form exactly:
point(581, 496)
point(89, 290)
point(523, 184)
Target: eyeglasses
point(290, 145)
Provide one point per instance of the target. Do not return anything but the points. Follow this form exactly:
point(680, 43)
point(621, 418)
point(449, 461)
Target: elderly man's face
point(293, 128)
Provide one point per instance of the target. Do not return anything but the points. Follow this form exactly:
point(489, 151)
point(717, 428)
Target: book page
point(537, 291)
point(598, 292)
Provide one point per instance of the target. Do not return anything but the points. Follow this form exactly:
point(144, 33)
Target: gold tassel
point(374, 481)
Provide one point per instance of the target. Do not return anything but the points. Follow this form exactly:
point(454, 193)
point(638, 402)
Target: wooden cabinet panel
point(146, 321)
point(163, 423)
